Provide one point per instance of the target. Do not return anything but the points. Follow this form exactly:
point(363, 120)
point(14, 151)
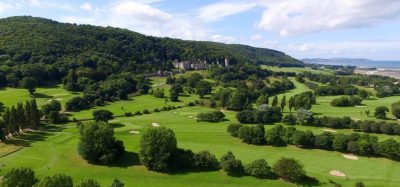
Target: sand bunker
point(155, 124)
point(360, 106)
point(190, 116)
point(329, 130)
point(337, 173)
point(134, 132)
point(351, 157)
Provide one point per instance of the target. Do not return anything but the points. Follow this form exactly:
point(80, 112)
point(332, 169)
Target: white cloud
point(5, 7)
point(296, 17)
point(256, 37)
point(87, 6)
point(217, 11)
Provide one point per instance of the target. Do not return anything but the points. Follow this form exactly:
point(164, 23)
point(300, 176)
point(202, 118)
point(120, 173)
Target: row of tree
point(25, 177)
point(18, 118)
point(365, 145)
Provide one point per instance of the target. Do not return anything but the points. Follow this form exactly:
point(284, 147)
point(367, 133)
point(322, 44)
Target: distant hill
point(27, 39)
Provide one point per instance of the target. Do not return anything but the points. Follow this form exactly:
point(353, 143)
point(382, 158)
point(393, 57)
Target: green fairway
point(53, 150)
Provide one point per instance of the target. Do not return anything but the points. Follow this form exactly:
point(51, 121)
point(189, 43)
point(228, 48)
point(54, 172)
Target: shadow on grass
point(127, 160)
point(25, 139)
point(309, 181)
point(40, 95)
point(116, 125)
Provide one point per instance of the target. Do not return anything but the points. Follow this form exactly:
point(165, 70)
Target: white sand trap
point(155, 124)
point(355, 119)
point(134, 132)
point(175, 112)
point(190, 116)
point(329, 130)
point(113, 121)
point(337, 173)
point(360, 106)
point(351, 157)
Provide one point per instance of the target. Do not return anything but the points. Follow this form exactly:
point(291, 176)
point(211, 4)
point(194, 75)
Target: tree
point(205, 161)
point(289, 169)
point(57, 180)
point(380, 112)
point(340, 142)
point(304, 116)
point(231, 165)
point(396, 109)
point(102, 115)
point(29, 83)
point(291, 104)
point(203, 88)
point(156, 147)
point(303, 139)
point(324, 141)
point(97, 143)
point(283, 103)
point(239, 100)
point(158, 93)
point(233, 129)
point(260, 169)
point(21, 177)
point(117, 183)
point(88, 183)
point(263, 99)
point(215, 116)
point(289, 119)
point(275, 135)
point(275, 101)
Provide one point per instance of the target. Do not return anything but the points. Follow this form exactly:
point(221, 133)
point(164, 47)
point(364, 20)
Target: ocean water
point(371, 64)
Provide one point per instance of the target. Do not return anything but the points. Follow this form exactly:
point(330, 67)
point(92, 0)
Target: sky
point(300, 28)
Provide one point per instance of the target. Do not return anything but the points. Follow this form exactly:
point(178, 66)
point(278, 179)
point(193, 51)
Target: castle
point(197, 65)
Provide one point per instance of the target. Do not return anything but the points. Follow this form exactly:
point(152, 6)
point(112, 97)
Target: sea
point(389, 65)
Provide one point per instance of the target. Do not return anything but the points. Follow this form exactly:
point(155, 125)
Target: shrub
point(191, 104)
point(57, 180)
point(180, 159)
point(156, 110)
point(145, 111)
point(252, 135)
point(137, 113)
point(24, 177)
point(205, 161)
point(289, 119)
point(158, 93)
point(380, 112)
point(396, 109)
point(289, 169)
point(156, 147)
point(275, 135)
point(102, 115)
point(215, 116)
point(233, 129)
point(117, 183)
point(97, 143)
point(259, 169)
point(303, 139)
point(231, 165)
point(346, 101)
point(128, 114)
point(324, 141)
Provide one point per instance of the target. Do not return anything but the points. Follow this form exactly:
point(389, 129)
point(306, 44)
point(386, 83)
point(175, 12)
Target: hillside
point(31, 40)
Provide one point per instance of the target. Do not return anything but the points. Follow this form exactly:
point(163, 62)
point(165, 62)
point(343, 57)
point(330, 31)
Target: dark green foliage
point(288, 137)
point(304, 117)
point(259, 169)
point(289, 119)
point(345, 101)
point(233, 129)
point(359, 184)
point(324, 141)
point(240, 100)
point(275, 136)
point(380, 112)
point(21, 177)
point(117, 183)
point(203, 88)
point(88, 183)
point(390, 149)
point(158, 93)
point(304, 100)
point(340, 142)
point(157, 145)
point(231, 165)
point(215, 116)
point(57, 180)
point(303, 139)
point(102, 115)
point(289, 169)
point(252, 134)
point(263, 115)
point(180, 159)
point(263, 99)
point(97, 143)
point(29, 83)
point(396, 109)
point(205, 161)
point(275, 101)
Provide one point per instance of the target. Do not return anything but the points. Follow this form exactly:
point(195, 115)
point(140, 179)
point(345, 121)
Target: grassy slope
point(57, 153)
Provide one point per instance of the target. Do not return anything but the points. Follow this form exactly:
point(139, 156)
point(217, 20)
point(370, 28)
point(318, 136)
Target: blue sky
point(301, 28)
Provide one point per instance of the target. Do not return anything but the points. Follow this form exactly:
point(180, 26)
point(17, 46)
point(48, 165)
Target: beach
point(395, 73)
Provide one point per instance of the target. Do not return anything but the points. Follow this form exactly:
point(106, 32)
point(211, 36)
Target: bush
point(88, 183)
point(289, 169)
point(138, 113)
point(289, 119)
point(303, 139)
point(346, 101)
point(97, 143)
point(205, 161)
point(156, 147)
point(57, 180)
point(128, 114)
point(275, 136)
point(180, 159)
point(259, 169)
point(252, 135)
point(233, 129)
point(117, 183)
point(231, 165)
point(380, 112)
point(102, 115)
point(191, 104)
point(324, 141)
point(396, 109)
point(215, 116)
point(158, 93)
point(145, 111)
point(23, 177)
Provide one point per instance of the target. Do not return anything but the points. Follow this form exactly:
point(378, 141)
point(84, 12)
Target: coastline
point(394, 73)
